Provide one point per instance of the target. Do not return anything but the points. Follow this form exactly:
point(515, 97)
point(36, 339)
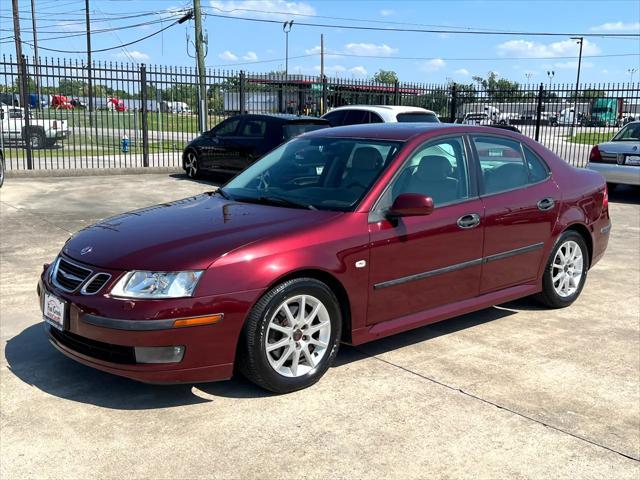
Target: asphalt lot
point(513, 391)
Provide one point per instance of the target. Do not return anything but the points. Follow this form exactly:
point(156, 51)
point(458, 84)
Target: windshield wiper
point(223, 194)
point(279, 201)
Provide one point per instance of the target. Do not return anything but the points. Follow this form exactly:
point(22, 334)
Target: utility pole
point(89, 77)
point(16, 32)
point(202, 85)
point(286, 28)
point(323, 107)
point(36, 57)
point(579, 40)
point(321, 55)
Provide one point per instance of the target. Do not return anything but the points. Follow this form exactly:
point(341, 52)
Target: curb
point(64, 172)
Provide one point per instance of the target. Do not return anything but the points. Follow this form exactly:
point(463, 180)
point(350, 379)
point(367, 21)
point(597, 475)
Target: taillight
point(595, 156)
point(605, 198)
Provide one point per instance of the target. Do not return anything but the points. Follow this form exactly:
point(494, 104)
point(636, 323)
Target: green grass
point(590, 138)
point(166, 122)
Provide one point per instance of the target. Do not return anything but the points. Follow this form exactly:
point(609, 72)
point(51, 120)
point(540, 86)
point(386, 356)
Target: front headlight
point(142, 284)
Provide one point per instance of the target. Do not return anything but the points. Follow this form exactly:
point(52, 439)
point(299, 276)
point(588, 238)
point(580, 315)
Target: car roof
point(383, 108)
point(405, 131)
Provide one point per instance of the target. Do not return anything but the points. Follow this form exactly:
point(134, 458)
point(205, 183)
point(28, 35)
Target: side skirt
point(444, 312)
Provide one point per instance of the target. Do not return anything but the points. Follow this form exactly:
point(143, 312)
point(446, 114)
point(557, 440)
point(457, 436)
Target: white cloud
point(369, 49)
point(387, 12)
point(462, 71)
point(229, 56)
point(71, 26)
point(313, 50)
point(604, 71)
point(359, 71)
point(133, 54)
point(528, 49)
point(272, 9)
point(617, 27)
point(433, 65)
point(250, 56)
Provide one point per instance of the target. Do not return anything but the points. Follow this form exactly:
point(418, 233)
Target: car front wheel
point(566, 271)
point(291, 336)
point(191, 165)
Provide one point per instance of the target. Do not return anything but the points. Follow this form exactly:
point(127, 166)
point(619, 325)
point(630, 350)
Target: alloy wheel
point(191, 165)
point(298, 336)
point(567, 269)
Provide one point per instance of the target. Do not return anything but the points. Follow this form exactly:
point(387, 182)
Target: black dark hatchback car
point(237, 142)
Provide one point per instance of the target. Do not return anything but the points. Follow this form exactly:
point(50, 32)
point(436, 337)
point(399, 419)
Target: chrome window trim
point(459, 266)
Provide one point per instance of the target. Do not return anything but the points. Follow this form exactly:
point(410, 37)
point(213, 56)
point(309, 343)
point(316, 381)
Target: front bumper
point(209, 350)
point(614, 173)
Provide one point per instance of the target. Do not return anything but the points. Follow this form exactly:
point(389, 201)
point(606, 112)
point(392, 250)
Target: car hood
point(185, 234)
point(619, 147)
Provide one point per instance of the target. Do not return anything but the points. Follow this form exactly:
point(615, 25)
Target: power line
point(418, 30)
point(338, 54)
point(116, 47)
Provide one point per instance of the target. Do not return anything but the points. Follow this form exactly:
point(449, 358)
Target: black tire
point(549, 297)
point(191, 164)
point(252, 354)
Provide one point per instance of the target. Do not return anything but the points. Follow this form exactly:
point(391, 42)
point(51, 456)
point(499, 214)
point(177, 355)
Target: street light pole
point(580, 41)
point(631, 72)
point(550, 74)
point(286, 28)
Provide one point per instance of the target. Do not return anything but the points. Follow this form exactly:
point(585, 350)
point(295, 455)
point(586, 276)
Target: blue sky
point(235, 44)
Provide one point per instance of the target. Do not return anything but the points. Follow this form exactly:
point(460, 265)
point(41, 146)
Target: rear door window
point(294, 129)
point(356, 117)
point(502, 163)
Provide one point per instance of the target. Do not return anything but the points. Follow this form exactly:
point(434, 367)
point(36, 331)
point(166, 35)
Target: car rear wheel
point(191, 165)
point(566, 271)
point(291, 336)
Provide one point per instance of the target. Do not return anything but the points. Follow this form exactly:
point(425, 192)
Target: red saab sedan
point(342, 235)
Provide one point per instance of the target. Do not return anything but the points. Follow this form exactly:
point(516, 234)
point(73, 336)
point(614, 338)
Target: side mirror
point(411, 204)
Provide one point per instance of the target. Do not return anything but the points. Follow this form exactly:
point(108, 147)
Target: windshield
point(314, 173)
point(629, 133)
point(414, 117)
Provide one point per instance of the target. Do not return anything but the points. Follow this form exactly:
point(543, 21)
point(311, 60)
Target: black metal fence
point(143, 115)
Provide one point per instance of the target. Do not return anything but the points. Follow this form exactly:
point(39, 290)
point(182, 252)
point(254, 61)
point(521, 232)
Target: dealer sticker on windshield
point(54, 311)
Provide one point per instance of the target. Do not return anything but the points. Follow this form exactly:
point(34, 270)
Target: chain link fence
point(144, 115)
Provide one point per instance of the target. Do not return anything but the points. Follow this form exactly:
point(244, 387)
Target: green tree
point(385, 76)
point(72, 88)
point(499, 89)
point(588, 94)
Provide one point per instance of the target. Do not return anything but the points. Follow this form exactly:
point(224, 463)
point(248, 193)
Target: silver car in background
point(618, 160)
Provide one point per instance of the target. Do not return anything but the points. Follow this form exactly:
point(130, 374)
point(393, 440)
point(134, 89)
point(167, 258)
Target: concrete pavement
point(513, 391)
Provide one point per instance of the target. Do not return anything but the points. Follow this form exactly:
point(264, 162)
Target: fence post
point(539, 111)
point(144, 111)
point(242, 100)
point(396, 93)
point(323, 108)
point(454, 102)
point(25, 105)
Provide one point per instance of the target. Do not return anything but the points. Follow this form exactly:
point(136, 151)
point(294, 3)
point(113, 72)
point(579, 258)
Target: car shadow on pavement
point(349, 354)
point(625, 194)
point(37, 363)
point(209, 179)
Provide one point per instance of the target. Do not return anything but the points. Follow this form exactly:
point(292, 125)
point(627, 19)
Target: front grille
point(69, 276)
point(95, 283)
point(92, 348)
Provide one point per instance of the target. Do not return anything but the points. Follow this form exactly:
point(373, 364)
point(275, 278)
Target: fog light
point(172, 354)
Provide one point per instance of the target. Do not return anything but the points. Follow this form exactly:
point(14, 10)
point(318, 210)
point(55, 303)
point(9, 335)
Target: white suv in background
point(358, 114)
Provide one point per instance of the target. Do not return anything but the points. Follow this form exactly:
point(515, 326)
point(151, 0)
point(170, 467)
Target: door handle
point(469, 220)
point(546, 204)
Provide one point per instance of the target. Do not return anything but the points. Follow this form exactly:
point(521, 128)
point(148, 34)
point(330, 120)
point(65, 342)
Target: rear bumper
point(94, 336)
point(614, 173)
